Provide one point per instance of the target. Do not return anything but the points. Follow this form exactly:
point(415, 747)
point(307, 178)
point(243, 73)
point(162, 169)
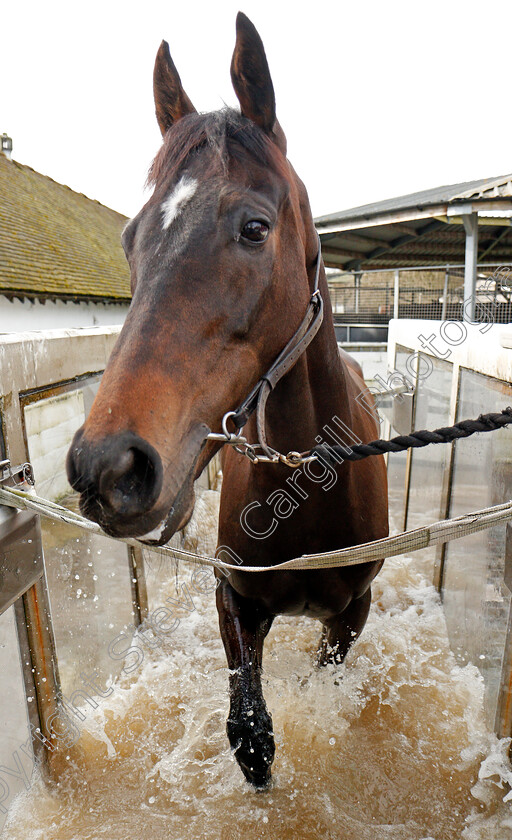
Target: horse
point(225, 264)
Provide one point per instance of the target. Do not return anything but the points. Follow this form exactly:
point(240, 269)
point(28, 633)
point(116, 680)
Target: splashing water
point(393, 744)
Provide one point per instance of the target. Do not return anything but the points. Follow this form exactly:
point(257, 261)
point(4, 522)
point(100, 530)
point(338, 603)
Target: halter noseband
point(257, 399)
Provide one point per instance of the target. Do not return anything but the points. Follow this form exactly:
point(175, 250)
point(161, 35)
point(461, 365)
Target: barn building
point(440, 253)
point(61, 261)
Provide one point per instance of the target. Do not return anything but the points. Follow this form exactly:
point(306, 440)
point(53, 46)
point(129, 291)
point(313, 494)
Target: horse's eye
point(255, 231)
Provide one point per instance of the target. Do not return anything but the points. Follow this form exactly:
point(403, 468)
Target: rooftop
point(57, 243)
point(422, 228)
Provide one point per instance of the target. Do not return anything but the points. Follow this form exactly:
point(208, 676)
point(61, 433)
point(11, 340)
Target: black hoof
point(254, 747)
point(259, 780)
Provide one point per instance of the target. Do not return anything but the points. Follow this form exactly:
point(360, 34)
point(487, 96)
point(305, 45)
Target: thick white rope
point(439, 532)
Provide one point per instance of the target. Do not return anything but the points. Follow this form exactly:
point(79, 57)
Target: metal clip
point(16, 475)
point(296, 459)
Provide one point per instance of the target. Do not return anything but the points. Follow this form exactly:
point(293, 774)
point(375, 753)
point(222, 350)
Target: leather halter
point(257, 399)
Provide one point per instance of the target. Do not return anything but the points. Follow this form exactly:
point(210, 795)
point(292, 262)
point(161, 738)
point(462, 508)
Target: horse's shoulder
point(354, 367)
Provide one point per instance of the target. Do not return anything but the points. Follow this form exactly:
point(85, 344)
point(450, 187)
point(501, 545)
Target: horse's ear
point(171, 101)
point(251, 77)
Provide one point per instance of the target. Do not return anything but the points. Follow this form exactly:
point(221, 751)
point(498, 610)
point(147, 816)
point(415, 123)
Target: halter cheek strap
point(257, 399)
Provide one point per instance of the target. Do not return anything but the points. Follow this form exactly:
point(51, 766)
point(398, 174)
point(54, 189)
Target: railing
point(433, 292)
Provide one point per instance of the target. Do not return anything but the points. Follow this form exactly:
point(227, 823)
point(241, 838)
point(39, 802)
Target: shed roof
point(57, 243)
point(421, 228)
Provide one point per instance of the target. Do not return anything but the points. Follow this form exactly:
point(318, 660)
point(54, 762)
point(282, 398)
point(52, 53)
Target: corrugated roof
point(485, 188)
point(55, 242)
point(420, 229)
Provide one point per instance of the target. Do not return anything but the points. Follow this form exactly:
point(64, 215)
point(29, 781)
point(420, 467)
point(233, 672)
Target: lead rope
point(335, 454)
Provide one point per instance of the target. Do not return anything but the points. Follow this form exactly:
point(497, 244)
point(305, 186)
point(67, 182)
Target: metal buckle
point(316, 299)
point(229, 435)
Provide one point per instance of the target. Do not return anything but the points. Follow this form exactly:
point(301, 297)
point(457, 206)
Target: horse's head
point(221, 259)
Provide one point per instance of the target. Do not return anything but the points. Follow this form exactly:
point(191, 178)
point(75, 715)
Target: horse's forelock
point(226, 132)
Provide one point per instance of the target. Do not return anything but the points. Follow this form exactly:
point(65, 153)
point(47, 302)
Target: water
point(393, 744)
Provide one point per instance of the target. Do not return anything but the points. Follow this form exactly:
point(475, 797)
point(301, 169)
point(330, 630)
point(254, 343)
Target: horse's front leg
point(243, 626)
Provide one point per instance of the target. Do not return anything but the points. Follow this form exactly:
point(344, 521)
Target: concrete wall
point(22, 316)
point(50, 426)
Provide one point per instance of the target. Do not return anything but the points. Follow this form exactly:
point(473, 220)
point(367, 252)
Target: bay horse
point(224, 258)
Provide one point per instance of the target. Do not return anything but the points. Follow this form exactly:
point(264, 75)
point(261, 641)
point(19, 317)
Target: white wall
point(372, 360)
point(51, 425)
point(485, 348)
point(22, 316)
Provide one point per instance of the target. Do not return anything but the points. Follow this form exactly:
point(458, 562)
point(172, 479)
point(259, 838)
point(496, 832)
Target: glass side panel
point(88, 575)
point(428, 465)
point(476, 600)
point(15, 743)
point(397, 463)
point(165, 577)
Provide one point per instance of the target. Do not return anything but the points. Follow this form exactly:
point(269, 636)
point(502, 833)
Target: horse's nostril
point(128, 485)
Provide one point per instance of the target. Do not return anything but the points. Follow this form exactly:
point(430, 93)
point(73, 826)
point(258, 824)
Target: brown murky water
point(393, 744)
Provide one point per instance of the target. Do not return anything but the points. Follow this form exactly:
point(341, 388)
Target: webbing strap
point(438, 532)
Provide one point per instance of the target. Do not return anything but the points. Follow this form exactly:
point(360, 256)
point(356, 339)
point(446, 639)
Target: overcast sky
point(377, 99)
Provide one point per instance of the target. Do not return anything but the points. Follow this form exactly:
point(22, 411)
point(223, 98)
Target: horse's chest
point(321, 594)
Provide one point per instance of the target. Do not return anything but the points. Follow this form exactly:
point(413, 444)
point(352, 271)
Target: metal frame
point(438, 267)
point(503, 722)
point(23, 581)
point(470, 220)
point(503, 714)
point(447, 488)
point(35, 366)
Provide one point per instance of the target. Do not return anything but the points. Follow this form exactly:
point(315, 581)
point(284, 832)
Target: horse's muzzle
point(119, 480)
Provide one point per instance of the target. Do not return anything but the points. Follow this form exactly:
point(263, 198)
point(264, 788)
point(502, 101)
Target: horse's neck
point(313, 395)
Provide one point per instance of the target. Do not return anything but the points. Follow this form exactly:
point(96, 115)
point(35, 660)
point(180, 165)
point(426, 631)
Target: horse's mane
point(226, 132)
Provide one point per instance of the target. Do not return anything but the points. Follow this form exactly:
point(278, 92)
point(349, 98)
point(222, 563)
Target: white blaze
point(156, 533)
point(174, 204)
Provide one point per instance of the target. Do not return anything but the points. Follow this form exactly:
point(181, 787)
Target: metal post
point(445, 294)
point(138, 584)
point(357, 283)
point(503, 720)
point(471, 227)
point(396, 293)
